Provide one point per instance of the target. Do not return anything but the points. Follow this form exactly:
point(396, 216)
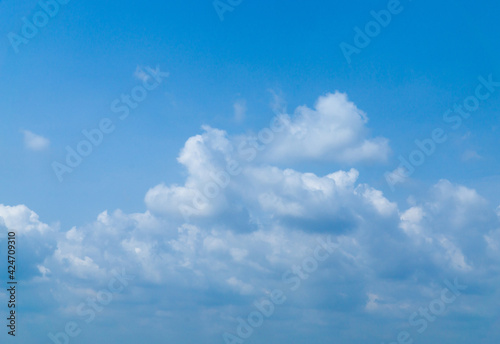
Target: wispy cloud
point(240, 110)
point(140, 74)
point(470, 155)
point(35, 142)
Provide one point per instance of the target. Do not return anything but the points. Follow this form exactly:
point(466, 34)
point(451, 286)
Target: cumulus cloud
point(35, 142)
point(21, 219)
point(212, 191)
point(334, 130)
point(206, 249)
point(387, 260)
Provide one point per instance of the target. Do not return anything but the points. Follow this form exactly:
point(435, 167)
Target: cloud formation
point(240, 110)
point(334, 130)
point(236, 246)
point(35, 142)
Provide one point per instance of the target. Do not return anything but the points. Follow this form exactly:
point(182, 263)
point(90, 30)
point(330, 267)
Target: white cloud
point(240, 286)
point(140, 74)
point(35, 142)
point(334, 130)
point(265, 221)
point(470, 155)
point(385, 264)
point(278, 104)
point(240, 110)
point(398, 176)
point(21, 219)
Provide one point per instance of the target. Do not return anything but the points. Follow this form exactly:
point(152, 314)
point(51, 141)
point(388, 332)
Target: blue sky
point(346, 123)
